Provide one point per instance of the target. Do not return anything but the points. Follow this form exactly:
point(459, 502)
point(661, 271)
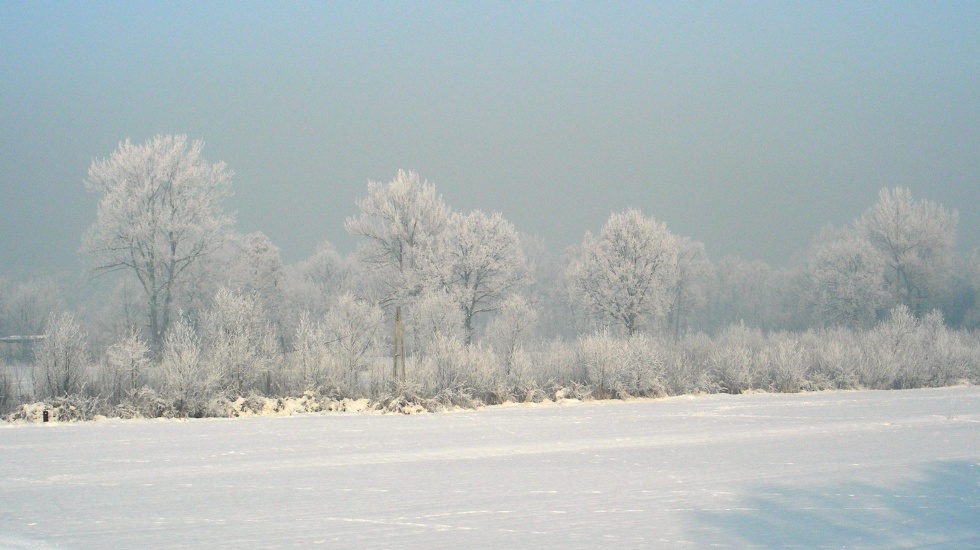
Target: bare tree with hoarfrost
point(916, 239)
point(478, 260)
point(625, 276)
point(160, 212)
point(397, 218)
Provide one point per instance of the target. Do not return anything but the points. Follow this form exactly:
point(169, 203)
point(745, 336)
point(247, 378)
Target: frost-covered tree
point(126, 362)
point(189, 377)
point(478, 260)
point(397, 218)
point(239, 340)
point(159, 213)
point(259, 270)
point(62, 357)
point(694, 271)
point(842, 282)
point(351, 329)
point(431, 316)
point(309, 357)
point(510, 330)
point(916, 239)
point(625, 276)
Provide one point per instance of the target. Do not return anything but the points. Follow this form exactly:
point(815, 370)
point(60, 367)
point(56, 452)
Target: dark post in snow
point(399, 351)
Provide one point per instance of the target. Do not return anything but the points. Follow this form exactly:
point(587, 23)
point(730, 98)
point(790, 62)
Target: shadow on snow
point(938, 508)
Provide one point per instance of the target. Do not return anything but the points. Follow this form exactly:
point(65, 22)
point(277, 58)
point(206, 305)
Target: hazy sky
point(748, 126)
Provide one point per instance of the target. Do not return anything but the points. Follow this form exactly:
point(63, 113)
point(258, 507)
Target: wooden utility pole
point(399, 351)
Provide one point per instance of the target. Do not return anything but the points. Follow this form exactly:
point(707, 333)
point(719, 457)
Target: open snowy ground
point(838, 469)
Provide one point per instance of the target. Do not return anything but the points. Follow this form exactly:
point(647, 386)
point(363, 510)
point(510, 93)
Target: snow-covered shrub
point(144, 402)
point(905, 352)
point(521, 382)
point(604, 359)
point(622, 367)
point(557, 367)
point(837, 357)
point(785, 364)
point(894, 354)
point(644, 372)
point(732, 368)
point(460, 374)
point(687, 365)
point(69, 408)
point(950, 360)
point(735, 359)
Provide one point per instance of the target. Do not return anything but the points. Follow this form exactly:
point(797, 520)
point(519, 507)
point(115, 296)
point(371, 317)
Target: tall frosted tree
point(915, 239)
point(478, 260)
point(397, 218)
point(625, 276)
point(160, 212)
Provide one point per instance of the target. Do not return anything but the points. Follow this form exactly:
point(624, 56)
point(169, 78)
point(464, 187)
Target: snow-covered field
point(837, 469)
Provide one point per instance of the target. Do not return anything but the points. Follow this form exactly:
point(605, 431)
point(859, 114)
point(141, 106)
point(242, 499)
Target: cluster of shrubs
point(226, 378)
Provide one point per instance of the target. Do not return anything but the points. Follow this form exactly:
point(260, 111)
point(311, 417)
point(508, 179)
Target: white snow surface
point(835, 469)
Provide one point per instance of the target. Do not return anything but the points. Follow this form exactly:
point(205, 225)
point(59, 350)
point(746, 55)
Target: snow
point(838, 469)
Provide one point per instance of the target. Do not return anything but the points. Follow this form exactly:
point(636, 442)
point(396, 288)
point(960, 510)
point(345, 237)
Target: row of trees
point(205, 308)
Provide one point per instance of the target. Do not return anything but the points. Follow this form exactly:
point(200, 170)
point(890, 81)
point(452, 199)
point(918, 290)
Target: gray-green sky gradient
point(745, 125)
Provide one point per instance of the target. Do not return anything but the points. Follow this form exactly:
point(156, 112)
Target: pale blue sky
point(746, 125)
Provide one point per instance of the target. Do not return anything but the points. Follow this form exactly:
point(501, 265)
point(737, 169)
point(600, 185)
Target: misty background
point(747, 126)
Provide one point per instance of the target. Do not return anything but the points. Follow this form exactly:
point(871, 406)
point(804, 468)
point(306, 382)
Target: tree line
point(192, 317)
